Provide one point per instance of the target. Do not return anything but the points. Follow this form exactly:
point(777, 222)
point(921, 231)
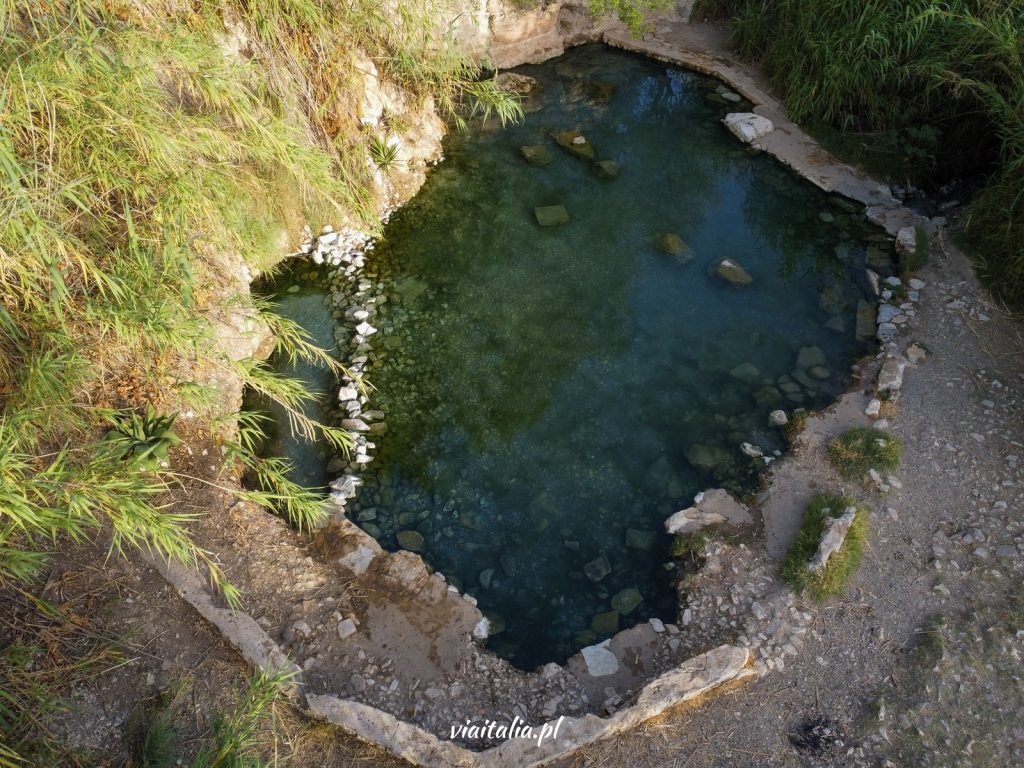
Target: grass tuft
point(863, 448)
point(832, 579)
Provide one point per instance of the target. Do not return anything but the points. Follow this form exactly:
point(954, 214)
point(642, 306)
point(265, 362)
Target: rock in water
point(747, 127)
point(707, 458)
point(571, 142)
point(671, 244)
point(732, 273)
point(747, 373)
point(411, 540)
point(606, 623)
point(865, 320)
point(607, 169)
point(599, 91)
point(597, 568)
point(551, 215)
point(627, 600)
point(535, 154)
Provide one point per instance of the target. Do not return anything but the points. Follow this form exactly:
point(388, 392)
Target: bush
point(864, 448)
point(946, 75)
point(832, 579)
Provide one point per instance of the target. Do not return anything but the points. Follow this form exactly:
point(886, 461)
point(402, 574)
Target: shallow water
point(553, 394)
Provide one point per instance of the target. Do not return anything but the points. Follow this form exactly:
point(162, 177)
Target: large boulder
point(746, 126)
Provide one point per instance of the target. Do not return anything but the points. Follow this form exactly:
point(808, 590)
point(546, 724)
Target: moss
point(832, 579)
point(862, 449)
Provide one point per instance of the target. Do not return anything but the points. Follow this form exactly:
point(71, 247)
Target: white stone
point(874, 408)
point(778, 418)
point(657, 625)
point(890, 378)
point(751, 450)
point(482, 628)
point(746, 126)
point(691, 519)
point(355, 425)
point(832, 539)
point(916, 284)
point(346, 628)
point(365, 329)
point(348, 392)
point(358, 560)
point(886, 313)
point(906, 240)
point(600, 660)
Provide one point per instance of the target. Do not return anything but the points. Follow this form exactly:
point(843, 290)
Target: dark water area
point(553, 393)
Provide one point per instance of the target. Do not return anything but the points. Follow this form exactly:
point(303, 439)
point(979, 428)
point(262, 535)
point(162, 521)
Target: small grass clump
point(832, 579)
point(863, 448)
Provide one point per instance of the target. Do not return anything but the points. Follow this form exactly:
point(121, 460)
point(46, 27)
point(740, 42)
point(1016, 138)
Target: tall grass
point(954, 68)
point(135, 152)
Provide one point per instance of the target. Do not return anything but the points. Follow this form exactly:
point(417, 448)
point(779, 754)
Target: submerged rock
point(536, 154)
point(597, 568)
point(641, 539)
point(575, 143)
point(707, 458)
point(747, 373)
point(599, 91)
point(865, 320)
point(411, 540)
point(627, 600)
point(732, 273)
point(607, 169)
point(606, 623)
point(671, 244)
point(551, 215)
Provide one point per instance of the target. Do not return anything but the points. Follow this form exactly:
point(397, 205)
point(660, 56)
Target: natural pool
point(553, 393)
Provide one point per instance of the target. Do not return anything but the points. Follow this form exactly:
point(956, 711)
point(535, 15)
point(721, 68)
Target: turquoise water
point(554, 393)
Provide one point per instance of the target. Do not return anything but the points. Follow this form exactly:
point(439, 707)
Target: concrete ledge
point(692, 679)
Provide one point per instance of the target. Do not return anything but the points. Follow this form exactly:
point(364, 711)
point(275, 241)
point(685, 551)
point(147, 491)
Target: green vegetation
point(939, 83)
point(384, 155)
point(688, 545)
point(142, 161)
point(832, 579)
point(864, 448)
point(234, 737)
point(632, 13)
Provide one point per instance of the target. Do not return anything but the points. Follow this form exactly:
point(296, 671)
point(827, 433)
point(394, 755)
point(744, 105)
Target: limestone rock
point(747, 127)
point(732, 273)
point(890, 378)
point(906, 241)
point(599, 660)
point(832, 538)
point(691, 520)
point(778, 418)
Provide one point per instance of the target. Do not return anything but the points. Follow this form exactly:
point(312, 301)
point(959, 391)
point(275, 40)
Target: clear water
point(553, 394)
